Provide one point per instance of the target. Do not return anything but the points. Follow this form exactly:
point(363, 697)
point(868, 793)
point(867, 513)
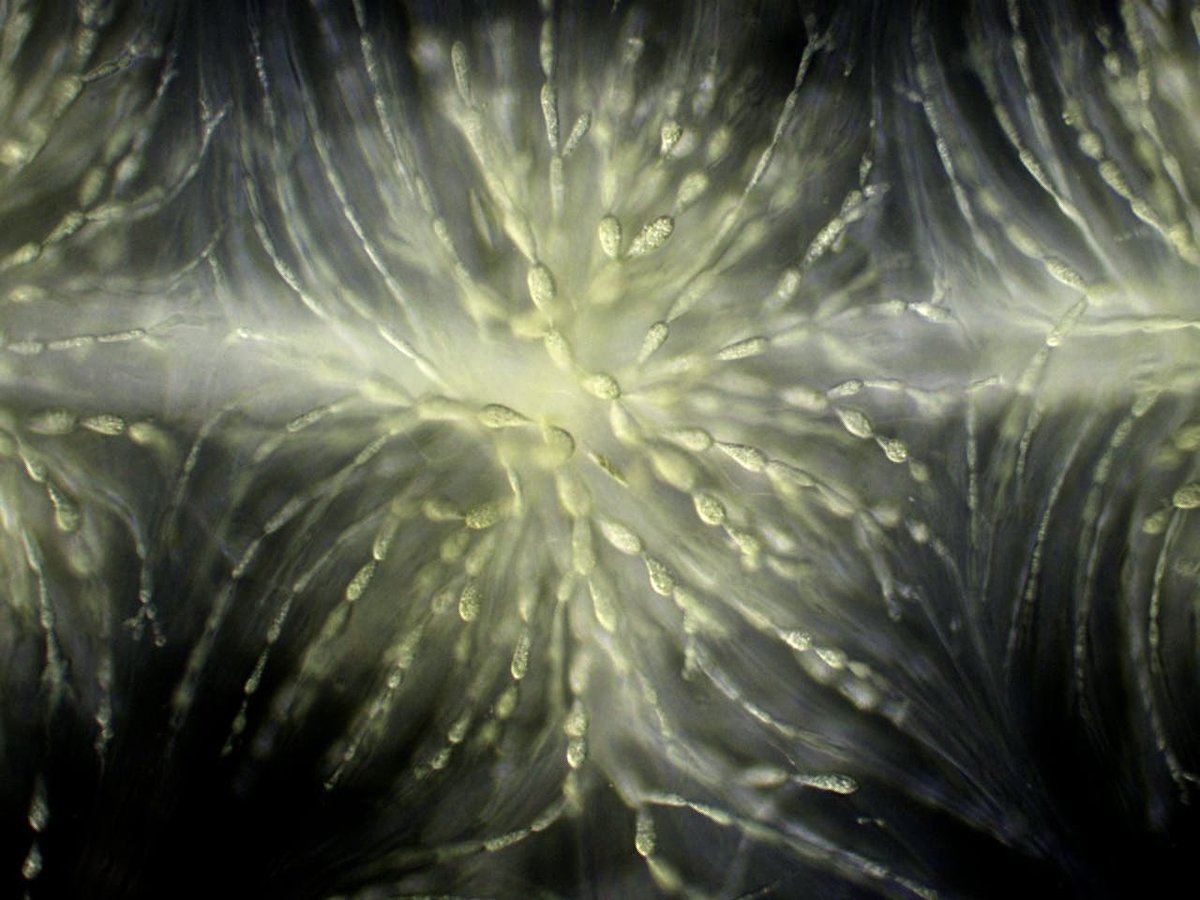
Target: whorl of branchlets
point(557, 450)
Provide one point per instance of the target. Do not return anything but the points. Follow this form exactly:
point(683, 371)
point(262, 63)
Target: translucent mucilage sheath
point(570, 449)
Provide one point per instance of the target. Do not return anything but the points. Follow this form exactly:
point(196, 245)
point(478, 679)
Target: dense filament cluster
point(567, 449)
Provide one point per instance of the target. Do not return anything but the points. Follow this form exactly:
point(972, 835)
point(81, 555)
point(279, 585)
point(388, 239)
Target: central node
point(534, 386)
